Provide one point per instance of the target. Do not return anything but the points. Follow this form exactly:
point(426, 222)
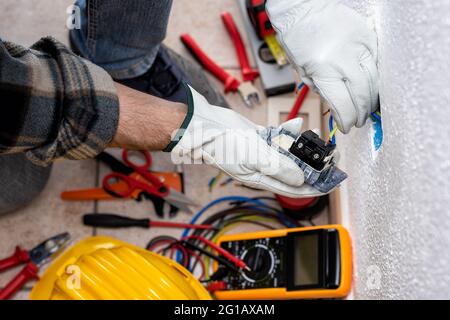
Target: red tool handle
point(298, 103)
point(164, 224)
point(161, 189)
point(29, 272)
point(20, 256)
point(248, 74)
point(259, 18)
point(132, 184)
point(231, 83)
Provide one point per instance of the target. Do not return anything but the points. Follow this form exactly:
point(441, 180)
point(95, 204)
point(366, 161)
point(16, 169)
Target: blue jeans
point(121, 36)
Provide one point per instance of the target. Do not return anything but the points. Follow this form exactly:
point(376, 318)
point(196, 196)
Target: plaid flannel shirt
point(54, 104)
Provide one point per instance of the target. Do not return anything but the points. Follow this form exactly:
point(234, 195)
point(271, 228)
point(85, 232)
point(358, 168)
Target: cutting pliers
point(246, 89)
point(33, 260)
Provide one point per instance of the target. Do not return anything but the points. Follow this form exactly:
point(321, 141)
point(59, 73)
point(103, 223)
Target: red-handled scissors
point(143, 180)
point(152, 185)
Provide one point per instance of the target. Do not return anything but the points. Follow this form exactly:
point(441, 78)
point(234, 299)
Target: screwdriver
point(116, 221)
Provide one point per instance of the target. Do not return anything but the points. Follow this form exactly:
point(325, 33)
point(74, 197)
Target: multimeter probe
point(294, 263)
point(197, 249)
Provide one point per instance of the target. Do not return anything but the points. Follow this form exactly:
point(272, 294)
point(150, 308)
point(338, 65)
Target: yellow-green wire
point(332, 133)
point(215, 180)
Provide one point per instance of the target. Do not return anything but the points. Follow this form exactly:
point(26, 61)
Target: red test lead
point(235, 260)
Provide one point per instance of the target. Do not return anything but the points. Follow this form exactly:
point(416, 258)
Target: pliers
point(33, 260)
point(246, 89)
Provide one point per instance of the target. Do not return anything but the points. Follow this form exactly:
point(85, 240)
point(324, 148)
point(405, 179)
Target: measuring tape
point(276, 50)
point(260, 20)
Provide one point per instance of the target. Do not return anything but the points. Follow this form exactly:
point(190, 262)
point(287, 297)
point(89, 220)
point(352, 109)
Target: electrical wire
point(266, 198)
point(225, 229)
point(198, 259)
point(376, 116)
point(217, 201)
point(333, 130)
point(221, 200)
point(212, 183)
point(235, 260)
point(225, 217)
point(226, 182)
point(196, 255)
point(155, 241)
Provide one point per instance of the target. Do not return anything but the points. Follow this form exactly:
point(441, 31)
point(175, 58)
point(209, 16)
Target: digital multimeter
point(298, 263)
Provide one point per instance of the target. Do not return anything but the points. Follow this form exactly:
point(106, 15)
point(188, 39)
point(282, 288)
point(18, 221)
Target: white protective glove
point(334, 49)
point(230, 142)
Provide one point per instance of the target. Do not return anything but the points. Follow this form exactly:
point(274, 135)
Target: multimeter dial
point(266, 260)
point(261, 261)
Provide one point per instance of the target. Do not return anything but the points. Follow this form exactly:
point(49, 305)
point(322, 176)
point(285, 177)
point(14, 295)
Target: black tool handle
point(115, 164)
point(113, 221)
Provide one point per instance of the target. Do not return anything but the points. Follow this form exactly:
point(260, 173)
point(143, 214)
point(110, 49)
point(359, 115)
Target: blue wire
point(300, 86)
point(212, 204)
point(330, 123)
point(376, 116)
point(266, 208)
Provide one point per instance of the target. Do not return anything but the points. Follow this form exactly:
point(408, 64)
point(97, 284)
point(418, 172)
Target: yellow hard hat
point(103, 268)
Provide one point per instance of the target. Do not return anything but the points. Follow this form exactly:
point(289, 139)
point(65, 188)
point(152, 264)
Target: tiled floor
point(24, 21)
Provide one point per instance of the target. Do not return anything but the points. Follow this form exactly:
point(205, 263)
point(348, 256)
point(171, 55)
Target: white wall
point(399, 199)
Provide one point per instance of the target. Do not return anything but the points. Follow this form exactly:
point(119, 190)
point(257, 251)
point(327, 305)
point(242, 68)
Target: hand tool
point(246, 89)
point(256, 10)
point(146, 182)
point(105, 220)
point(296, 263)
point(33, 260)
point(248, 73)
point(171, 179)
point(174, 180)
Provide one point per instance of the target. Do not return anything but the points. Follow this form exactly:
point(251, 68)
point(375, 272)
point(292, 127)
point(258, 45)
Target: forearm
point(54, 103)
point(58, 105)
point(146, 122)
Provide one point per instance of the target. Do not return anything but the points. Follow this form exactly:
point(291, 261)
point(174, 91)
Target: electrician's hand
point(335, 52)
point(230, 142)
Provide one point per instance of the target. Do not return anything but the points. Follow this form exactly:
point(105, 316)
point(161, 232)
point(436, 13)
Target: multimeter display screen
point(306, 260)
